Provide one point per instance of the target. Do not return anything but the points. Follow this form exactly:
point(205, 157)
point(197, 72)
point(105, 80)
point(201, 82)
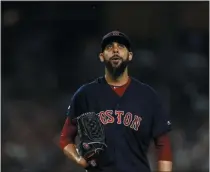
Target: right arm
point(67, 143)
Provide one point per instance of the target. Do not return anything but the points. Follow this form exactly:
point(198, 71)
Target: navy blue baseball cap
point(115, 36)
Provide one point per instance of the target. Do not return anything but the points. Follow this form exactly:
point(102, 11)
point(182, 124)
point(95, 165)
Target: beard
point(116, 65)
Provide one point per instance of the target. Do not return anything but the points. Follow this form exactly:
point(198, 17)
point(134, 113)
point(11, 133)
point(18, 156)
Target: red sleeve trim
point(68, 133)
point(163, 148)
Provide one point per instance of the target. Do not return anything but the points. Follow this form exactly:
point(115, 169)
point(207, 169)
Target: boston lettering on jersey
point(127, 119)
point(130, 121)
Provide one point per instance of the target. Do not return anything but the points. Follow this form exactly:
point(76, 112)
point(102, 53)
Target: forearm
point(71, 152)
point(164, 154)
point(67, 141)
point(164, 166)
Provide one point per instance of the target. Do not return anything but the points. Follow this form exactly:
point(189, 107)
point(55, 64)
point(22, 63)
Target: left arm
point(161, 126)
point(164, 153)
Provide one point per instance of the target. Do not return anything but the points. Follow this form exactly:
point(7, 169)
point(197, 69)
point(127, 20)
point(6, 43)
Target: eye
point(121, 46)
point(108, 47)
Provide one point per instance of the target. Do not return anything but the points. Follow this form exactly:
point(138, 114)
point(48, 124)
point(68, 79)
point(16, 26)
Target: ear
point(101, 57)
point(130, 56)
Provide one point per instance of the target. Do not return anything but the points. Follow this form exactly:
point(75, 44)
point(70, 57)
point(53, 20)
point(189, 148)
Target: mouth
point(115, 59)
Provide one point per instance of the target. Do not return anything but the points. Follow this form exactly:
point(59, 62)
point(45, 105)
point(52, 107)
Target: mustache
point(115, 56)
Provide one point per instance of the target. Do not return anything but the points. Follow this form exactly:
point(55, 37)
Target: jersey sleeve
point(161, 120)
point(77, 105)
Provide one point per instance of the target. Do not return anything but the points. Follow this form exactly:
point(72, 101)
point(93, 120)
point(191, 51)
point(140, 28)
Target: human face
point(116, 58)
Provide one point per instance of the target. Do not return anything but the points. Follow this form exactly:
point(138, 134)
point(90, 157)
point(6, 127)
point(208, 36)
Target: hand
point(82, 162)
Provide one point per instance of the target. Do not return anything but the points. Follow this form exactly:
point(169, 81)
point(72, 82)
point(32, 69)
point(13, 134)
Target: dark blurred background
point(49, 49)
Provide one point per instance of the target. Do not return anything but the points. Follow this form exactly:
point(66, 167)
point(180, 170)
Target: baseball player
point(130, 111)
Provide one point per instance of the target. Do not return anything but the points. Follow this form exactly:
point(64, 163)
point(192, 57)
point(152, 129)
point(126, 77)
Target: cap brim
point(118, 38)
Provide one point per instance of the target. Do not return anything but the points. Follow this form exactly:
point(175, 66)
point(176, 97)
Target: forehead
point(114, 43)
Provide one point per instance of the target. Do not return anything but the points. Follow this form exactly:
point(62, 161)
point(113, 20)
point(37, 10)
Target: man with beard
point(130, 111)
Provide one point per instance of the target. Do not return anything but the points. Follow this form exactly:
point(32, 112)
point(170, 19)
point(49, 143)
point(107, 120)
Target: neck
point(117, 81)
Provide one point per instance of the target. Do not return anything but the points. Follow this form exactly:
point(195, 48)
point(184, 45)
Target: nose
point(115, 48)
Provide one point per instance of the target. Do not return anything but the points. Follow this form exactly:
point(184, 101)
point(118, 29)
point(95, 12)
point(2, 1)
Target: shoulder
point(143, 86)
point(87, 87)
point(145, 89)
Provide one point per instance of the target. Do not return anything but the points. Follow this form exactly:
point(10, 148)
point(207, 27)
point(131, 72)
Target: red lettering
point(119, 116)
point(110, 118)
point(127, 119)
point(136, 122)
point(102, 117)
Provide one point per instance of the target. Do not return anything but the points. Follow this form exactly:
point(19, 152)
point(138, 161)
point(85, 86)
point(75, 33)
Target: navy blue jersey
point(131, 122)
